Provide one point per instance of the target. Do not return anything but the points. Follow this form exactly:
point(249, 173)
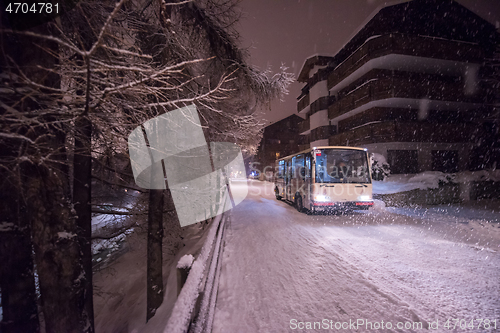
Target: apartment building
point(409, 85)
point(280, 139)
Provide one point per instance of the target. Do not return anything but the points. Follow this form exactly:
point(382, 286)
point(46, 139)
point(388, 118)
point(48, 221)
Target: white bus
point(325, 178)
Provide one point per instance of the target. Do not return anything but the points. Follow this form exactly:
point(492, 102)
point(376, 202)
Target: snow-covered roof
point(310, 62)
point(445, 19)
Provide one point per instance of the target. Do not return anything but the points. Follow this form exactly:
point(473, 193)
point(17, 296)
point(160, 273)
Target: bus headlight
point(364, 198)
point(322, 198)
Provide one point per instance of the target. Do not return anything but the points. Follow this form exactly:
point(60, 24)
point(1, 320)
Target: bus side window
point(281, 169)
point(308, 166)
point(299, 167)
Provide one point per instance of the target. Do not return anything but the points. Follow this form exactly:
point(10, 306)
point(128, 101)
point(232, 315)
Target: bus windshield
point(341, 166)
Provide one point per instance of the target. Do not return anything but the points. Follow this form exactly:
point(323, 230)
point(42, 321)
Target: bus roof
point(321, 147)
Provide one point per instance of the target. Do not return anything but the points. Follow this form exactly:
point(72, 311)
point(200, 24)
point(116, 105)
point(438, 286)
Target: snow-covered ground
point(287, 271)
point(104, 225)
point(120, 289)
point(430, 179)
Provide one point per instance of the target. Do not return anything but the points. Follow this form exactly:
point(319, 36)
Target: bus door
point(280, 177)
point(299, 177)
point(307, 181)
point(288, 179)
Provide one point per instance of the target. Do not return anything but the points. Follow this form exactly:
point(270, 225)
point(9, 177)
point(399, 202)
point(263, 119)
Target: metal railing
point(304, 126)
point(303, 103)
point(194, 309)
point(392, 131)
point(422, 46)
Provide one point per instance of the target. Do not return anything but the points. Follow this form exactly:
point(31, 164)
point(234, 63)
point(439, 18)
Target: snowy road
point(285, 271)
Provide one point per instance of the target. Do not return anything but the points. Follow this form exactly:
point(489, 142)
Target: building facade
point(279, 139)
point(410, 85)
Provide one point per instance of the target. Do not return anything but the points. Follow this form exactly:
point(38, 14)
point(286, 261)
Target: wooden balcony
point(419, 46)
point(321, 103)
point(304, 147)
point(398, 87)
point(303, 103)
point(404, 132)
point(320, 133)
point(304, 126)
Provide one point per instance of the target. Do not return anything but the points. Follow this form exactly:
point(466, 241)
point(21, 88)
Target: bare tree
point(102, 70)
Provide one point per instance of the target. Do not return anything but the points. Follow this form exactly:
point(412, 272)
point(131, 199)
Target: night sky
point(288, 31)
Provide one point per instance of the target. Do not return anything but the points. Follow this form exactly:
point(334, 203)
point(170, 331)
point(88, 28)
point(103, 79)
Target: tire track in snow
point(280, 265)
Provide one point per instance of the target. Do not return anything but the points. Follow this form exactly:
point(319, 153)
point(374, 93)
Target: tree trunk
point(154, 253)
point(46, 193)
point(17, 281)
point(57, 252)
point(82, 191)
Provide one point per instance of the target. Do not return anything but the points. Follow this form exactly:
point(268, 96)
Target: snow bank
point(185, 261)
point(481, 175)
point(7, 226)
point(101, 221)
point(380, 167)
point(378, 205)
point(430, 180)
point(400, 183)
point(65, 234)
point(112, 244)
point(181, 313)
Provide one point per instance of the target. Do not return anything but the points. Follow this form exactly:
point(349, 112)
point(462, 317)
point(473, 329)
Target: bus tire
point(276, 192)
point(298, 204)
point(311, 210)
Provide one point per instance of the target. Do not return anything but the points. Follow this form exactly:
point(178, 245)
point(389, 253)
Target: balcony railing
point(419, 46)
point(397, 87)
point(304, 126)
point(404, 132)
point(303, 103)
point(320, 133)
point(304, 147)
point(321, 103)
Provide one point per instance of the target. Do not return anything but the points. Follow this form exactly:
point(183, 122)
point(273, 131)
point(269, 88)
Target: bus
point(325, 178)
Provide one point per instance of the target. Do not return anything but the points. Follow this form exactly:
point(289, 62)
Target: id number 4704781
point(35, 8)
point(455, 323)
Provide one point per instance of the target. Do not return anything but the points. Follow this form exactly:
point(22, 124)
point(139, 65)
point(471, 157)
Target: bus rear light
point(324, 203)
point(364, 203)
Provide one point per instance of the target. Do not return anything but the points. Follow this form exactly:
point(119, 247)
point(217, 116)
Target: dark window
point(298, 165)
point(281, 169)
point(445, 160)
point(308, 166)
point(403, 161)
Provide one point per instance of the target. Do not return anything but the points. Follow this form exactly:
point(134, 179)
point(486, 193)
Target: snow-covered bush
point(380, 167)
point(433, 179)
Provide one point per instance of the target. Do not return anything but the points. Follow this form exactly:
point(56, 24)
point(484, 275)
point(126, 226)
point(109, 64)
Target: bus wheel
point(276, 192)
point(298, 204)
point(311, 211)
